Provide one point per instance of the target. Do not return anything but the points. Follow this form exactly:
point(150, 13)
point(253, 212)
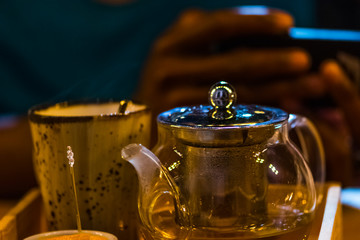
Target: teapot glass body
point(246, 181)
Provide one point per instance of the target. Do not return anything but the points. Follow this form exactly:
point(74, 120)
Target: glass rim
point(59, 233)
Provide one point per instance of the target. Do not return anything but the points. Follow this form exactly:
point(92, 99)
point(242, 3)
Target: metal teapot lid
point(223, 113)
point(223, 122)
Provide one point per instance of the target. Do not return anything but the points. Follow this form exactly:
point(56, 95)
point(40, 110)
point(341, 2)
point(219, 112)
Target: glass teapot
point(226, 171)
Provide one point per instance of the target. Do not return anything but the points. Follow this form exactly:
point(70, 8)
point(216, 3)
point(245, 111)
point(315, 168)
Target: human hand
point(337, 124)
point(183, 65)
point(341, 135)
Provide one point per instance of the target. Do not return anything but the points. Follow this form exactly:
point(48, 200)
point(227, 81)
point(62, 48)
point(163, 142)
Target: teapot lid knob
point(222, 97)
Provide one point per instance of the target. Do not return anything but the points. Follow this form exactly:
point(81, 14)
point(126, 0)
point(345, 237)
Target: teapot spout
point(156, 190)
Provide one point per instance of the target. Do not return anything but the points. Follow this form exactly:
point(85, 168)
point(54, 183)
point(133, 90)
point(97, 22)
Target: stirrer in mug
point(70, 156)
point(123, 106)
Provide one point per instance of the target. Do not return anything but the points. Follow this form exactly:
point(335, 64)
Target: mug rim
point(59, 233)
point(37, 118)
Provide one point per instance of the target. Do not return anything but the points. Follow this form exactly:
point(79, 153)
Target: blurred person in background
point(160, 53)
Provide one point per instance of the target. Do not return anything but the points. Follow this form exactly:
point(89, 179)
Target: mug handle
point(303, 133)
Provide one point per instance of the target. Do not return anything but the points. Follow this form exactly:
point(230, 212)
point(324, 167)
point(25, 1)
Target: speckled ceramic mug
point(106, 184)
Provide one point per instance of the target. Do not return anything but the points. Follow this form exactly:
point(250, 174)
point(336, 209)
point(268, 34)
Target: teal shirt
point(55, 50)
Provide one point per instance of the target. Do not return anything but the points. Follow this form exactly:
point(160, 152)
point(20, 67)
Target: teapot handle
point(305, 136)
point(158, 195)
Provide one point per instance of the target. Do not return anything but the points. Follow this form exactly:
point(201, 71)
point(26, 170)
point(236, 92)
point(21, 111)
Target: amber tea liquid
point(274, 228)
point(298, 231)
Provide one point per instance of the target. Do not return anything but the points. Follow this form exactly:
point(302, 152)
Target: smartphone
point(341, 45)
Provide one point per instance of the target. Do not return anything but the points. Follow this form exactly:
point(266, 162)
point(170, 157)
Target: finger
point(176, 97)
point(287, 92)
point(239, 66)
point(187, 96)
point(199, 28)
point(271, 93)
point(344, 93)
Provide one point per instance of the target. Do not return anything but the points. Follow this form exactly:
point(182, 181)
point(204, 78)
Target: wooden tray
point(328, 219)
point(27, 217)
